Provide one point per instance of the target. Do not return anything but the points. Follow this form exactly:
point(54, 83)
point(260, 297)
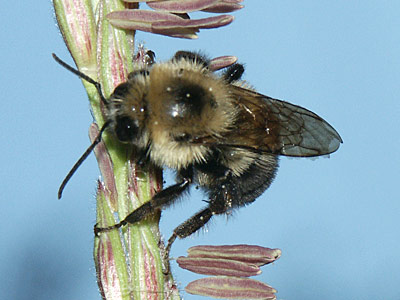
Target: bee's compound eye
point(125, 129)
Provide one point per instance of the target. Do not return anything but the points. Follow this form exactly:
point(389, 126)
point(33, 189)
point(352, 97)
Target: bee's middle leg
point(162, 199)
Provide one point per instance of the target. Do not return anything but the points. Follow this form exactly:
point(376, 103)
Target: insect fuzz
point(210, 129)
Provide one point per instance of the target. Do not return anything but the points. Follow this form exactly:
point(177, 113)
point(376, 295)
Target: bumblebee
point(211, 128)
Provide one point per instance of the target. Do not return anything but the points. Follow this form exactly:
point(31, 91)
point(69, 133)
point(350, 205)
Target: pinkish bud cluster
point(171, 17)
point(229, 265)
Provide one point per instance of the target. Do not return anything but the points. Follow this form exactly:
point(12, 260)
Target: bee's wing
point(275, 126)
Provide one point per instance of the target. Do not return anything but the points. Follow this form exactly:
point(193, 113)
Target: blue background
point(336, 220)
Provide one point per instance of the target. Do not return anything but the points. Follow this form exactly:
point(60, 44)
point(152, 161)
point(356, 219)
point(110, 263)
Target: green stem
point(128, 262)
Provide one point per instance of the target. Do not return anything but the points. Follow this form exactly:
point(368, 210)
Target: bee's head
point(126, 129)
point(127, 111)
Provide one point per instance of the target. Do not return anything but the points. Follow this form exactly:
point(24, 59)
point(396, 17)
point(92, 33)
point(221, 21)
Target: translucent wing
point(275, 126)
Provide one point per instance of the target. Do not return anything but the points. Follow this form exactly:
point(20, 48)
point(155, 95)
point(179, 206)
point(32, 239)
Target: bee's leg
point(233, 73)
point(162, 199)
point(219, 204)
point(189, 226)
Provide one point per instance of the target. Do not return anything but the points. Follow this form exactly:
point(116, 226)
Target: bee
point(211, 128)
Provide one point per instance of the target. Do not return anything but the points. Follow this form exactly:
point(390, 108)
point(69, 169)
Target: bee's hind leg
point(219, 204)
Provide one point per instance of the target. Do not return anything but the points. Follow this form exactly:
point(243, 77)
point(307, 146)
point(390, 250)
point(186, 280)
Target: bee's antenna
point(82, 158)
point(83, 76)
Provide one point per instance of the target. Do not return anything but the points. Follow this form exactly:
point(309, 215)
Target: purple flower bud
point(246, 253)
point(218, 266)
point(231, 288)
